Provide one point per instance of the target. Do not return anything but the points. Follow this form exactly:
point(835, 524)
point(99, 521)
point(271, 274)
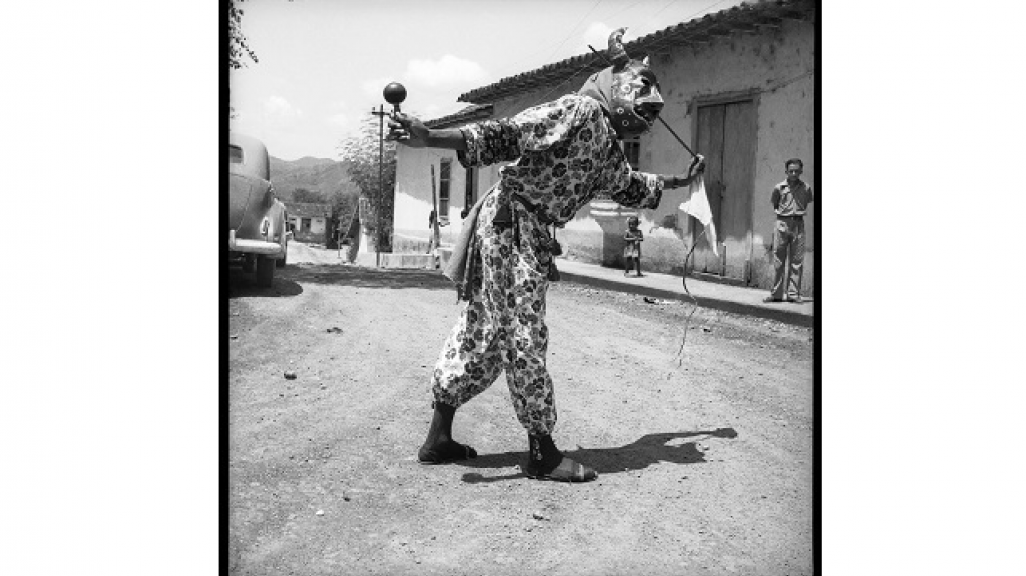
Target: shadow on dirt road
point(648, 450)
point(288, 281)
point(369, 277)
point(244, 284)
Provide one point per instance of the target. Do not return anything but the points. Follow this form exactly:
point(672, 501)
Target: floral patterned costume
point(566, 151)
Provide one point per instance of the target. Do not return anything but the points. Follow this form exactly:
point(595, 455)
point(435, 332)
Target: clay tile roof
point(746, 17)
point(468, 114)
point(307, 210)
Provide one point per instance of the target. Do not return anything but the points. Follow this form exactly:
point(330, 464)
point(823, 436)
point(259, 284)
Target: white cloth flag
point(697, 204)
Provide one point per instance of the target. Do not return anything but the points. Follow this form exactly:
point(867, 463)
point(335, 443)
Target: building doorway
point(726, 136)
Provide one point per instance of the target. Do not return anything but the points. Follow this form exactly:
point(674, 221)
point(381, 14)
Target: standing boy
point(632, 252)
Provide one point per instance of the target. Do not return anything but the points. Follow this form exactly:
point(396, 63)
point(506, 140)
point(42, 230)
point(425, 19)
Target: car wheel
point(284, 258)
point(265, 271)
point(248, 262)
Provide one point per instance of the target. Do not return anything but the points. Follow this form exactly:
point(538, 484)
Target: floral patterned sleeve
point(630, 188)
point(489, 142)
point(532, 130)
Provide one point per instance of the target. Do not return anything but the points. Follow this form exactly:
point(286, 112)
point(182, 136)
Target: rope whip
point(684, 282)
point(705, 229)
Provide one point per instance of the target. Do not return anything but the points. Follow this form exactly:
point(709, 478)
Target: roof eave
point(741, 19)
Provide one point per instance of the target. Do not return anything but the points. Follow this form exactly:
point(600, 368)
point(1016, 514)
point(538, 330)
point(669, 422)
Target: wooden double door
point(726, 136)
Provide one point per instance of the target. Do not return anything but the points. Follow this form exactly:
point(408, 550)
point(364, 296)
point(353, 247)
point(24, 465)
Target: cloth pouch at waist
point(459, 269)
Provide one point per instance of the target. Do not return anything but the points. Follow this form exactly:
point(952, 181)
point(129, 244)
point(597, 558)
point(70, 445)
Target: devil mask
point(627, 90)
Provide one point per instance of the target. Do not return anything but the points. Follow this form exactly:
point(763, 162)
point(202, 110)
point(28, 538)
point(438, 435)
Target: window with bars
point(444, 176)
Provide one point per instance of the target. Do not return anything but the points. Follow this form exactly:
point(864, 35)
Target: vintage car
point(258, 230)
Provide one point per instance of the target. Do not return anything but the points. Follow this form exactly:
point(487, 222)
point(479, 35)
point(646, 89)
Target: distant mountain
point(314, 174)
point(304, 161)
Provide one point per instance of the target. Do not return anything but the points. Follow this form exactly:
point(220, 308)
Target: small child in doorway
point(634, 238)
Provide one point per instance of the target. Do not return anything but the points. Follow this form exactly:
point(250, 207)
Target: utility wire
point(558, 45)
point(671, 2)
point(574, 29)
point(588, 62)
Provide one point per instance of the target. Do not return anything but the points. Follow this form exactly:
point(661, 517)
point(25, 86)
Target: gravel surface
point(704, 456)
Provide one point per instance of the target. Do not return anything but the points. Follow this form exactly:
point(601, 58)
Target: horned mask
point(628, 90)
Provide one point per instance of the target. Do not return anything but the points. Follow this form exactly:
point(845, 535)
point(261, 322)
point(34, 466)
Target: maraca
point(394, 94)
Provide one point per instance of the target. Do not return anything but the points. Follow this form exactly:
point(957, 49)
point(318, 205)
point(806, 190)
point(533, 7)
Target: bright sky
point(323, 63)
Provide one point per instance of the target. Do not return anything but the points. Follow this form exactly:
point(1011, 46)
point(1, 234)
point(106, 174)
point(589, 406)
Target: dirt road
point(704, 469)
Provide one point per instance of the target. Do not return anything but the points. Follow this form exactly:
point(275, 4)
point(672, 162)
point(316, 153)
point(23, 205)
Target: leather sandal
point(452, 451)
point(567, 471)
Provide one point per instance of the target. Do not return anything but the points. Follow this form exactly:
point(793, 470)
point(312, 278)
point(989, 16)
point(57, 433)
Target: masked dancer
point(563, 153)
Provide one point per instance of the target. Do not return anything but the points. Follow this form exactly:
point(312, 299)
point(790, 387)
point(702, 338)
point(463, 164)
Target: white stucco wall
point(771, 67)
point(413, 199)
point(317, 226)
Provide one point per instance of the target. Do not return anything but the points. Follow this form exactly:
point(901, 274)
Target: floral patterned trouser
point(503, 325)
